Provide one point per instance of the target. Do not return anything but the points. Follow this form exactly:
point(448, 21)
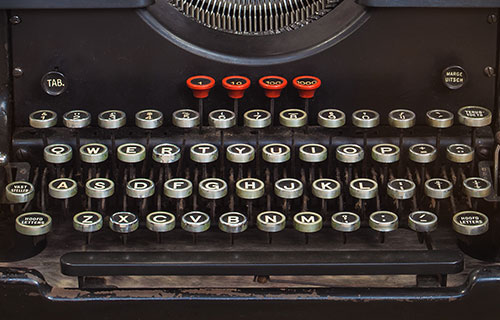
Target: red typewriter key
point(200, 85)
point(236, 86)
point(272, 86)
point(306, 85)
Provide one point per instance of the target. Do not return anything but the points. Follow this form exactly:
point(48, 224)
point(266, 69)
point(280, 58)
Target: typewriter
point(249, 159)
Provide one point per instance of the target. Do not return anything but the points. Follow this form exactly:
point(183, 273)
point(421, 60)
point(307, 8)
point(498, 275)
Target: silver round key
point(19, 192)
point(438, 188)
point(383, 221)
point(271, 221)
point(440, 119)
point(123, 222)
point(250, 188)
point(87, 221)
point(212, 188)
point(233, 222)
point(222, 119)
point(195, 222)
point(402, 118)
point(112, 119)
point(178, 188)
point(140, 188)
point(63, 188)
point(422, 153)
point(149, 119)
point(475, 187)
point(288, 188)
point(460, 153)
point(33, 224)
point(346, 221)
point(307, 222)
point(276, 153)
point(401, 189)
point(43, 119)
point(331, 118)
point(186, 118)
point(166, 153)
point(160, 221)
point(350, 153)
point(422, 221)
point(474, 116)
point(257, 119)
point(76, 119)
point(313, 153)
point(470, 223)
point(293, 118)
point(326, 188)
point(363, 188)
point(99, 188)
point(365, 118)
point(240, 153)
point(57, 153)
point(94, 153)
point(204, 153)
point(385, 153)
point(131, 152)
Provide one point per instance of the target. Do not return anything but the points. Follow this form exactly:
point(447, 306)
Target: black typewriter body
point(382, 66)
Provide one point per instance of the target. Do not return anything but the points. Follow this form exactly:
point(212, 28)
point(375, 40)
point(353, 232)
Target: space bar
point(261, 263)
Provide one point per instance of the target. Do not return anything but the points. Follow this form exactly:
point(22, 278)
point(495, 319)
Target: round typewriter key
point(346, 221)
point(240, 153)
point(149, 119)
point(57, 153)
point(131, 152)
point(123, 222)
point(160, 221)
point(204, 153)
point(440, 119)
point(402, 118)
point(43, 119)
point(212, 188)
point(249, 188)
point(470, 223)
point(33, 224)
point(140, 188)
point(326, 188)
point(307, 222)
point(331, 118)
point(363, 188)
point(422, 221)
point(87, 221)
point(236, 86)
point(273, 85)
point(166, 153)
point(401, 189)
point(313, 152)
point(293, 118)
point(195, 222)
point(178, 188)
point(460, 153)
point(383, 221)
point(306, 85)
point(99, 188)
point(276, 153)
point(365, 119)
point(477, 187)
point(19, 192)
point(93, 153)
point(350, 153)
point(76, 119)
point(63, 188)
point(200, 85)
point(385, 153)
point(438, 188)
point(422, 153)
point(222, 119)
point(111, 119)
point(233, 222)
point(474, 116)
point(288, 188)
point(257, 119)
point(271, 221)
point(186, 118)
